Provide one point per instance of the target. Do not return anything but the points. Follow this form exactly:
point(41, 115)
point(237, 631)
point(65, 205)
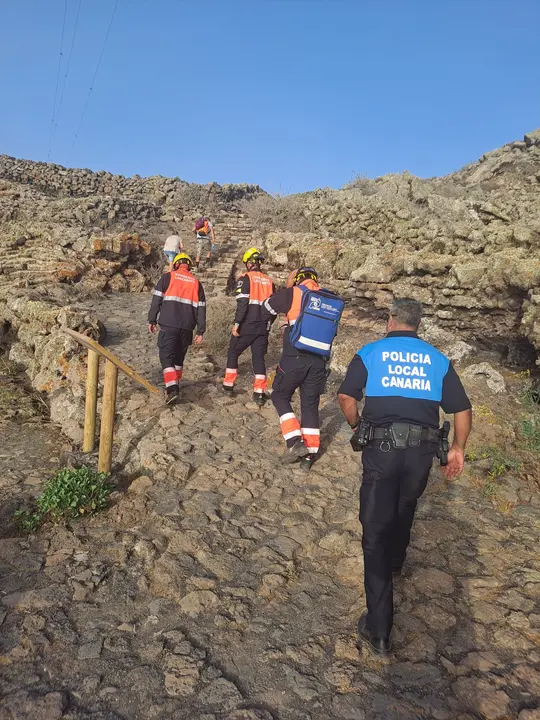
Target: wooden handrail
point(108, 411)
point(93, 345)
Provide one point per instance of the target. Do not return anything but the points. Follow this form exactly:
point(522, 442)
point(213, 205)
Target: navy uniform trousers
point(307, 372)
point(258, 342)
point(392, 484)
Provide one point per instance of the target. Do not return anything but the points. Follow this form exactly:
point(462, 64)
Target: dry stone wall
point(58, 180)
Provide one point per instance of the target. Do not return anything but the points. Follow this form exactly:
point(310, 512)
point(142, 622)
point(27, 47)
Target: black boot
point(294, 452)
point(307, 461)
point(228, 389)
point(173, 396)
point(379, 646)
point(260, 398)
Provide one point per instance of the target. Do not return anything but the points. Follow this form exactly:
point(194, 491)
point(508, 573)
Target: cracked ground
point(221, 585)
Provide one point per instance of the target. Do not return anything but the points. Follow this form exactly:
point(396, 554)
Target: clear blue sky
point(290, 94)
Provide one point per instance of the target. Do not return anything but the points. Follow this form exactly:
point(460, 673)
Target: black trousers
point(173, 346)
point(309, 374)
point(259, 347)
point(392, 484)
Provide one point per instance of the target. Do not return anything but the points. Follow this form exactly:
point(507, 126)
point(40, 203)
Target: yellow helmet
point(183, 258)
point(252, 254)
point(306, 273)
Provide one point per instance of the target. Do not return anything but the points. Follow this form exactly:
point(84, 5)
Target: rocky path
point(222, 586)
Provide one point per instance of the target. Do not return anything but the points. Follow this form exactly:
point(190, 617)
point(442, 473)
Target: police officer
point(405, 380)
point(251, 325)
point(297, 369)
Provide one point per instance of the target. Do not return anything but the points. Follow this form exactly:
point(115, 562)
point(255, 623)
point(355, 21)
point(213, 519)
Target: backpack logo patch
point(314, 303)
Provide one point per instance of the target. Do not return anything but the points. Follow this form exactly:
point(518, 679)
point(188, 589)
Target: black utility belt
point(397, 436)
point(400, 436)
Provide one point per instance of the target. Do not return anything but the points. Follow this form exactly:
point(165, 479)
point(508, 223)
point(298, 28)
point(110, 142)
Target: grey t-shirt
point(172, 243)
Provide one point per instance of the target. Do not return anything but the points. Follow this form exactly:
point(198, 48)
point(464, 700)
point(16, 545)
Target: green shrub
point(530, 391)
point(68, 495)
point(530, 432)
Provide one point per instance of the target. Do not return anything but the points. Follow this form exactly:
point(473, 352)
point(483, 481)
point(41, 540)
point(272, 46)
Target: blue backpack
point(317, 323)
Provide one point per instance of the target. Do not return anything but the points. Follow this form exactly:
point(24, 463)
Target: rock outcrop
point(467, 245)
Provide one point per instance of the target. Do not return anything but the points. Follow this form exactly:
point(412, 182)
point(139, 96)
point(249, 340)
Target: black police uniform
point(404, 380)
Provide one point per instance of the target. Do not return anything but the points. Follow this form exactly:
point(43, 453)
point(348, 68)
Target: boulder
point(485, 372)
point(533, 138)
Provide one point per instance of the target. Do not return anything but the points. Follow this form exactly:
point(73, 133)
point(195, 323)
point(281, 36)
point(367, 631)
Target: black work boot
point(228, 390)
point(173, 396)
point(294, 452)
point(260, 398)
point(307, 461)
point(379, 646)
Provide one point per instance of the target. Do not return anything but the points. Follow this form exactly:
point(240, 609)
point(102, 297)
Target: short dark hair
point(406, 311)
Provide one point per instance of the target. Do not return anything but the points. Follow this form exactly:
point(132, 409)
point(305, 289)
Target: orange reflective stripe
point(230, 376)
point(170, 376)
point(260, 384)
point(297, 299)
point(260, 287)
point(311, 438)
point(289, 426)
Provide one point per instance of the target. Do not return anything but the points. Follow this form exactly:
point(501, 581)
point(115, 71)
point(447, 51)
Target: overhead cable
point(57, 79)
point(94, 78)
point(66, 73)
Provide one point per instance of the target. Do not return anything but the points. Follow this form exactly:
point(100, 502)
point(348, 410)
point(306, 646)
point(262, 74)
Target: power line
point(94, 77)
point(57, 79)
point(67, 71)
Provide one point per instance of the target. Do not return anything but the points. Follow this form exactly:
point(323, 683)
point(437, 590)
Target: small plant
point(68, 495)
point(530, 392)
point(499, 465)
point(489, 488)
point(530, 432)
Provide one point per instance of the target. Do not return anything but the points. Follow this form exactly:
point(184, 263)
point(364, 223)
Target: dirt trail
point(223, 586)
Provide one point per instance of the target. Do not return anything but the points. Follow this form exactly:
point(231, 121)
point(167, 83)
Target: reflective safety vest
point(293, 313)
point(183, 288)
point(253, 289)
point(182, 300)
point(260, 287)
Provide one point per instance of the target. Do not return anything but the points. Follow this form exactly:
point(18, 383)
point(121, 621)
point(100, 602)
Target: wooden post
point(107, 417)
point(92, 378)
point(112, 365)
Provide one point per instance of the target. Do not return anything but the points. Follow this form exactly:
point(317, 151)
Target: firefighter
point(251, 325)
point(297, 369)
point(179, 305)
